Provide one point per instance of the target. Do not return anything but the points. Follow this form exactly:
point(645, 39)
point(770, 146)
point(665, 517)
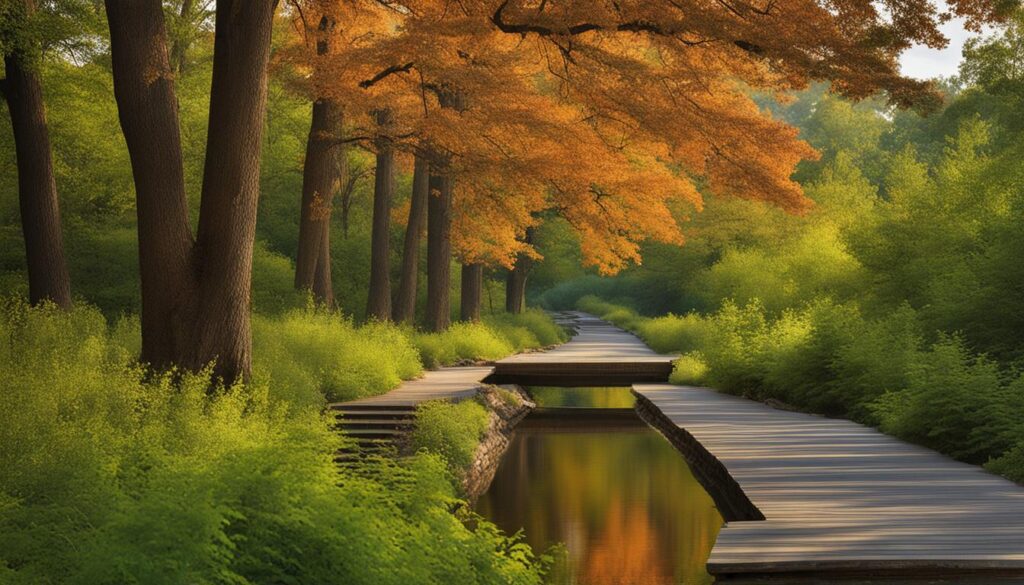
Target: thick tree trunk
point(405, 304)
point(320, 177)
point(472, 285)
point(148, 110)
point(378, 305)
point(515, 283)
point(48, 278)
point(439, 253)
point(195, 297)
point(321, 173)
point(439, 247)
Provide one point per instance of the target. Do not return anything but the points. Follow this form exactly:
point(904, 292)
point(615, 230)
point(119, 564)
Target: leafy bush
point(955, 403)
point(114, 476)
point(307, 355)
point(451, 430)
point(542, 330)
point(494, 338)
point(675, 333)
point(689, 370)
point(462, 341)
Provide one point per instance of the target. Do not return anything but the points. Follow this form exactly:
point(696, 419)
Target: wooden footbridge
point(802, 494)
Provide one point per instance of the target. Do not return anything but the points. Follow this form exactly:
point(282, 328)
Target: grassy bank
point(308, 356)
point(827, 357)
point(115, 476)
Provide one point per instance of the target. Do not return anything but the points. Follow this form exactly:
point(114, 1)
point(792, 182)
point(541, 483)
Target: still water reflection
point(614, 492)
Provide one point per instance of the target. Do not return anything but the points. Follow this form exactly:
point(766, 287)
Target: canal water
point(585, 478)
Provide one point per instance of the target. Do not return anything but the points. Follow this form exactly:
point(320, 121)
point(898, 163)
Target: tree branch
point(392, 70)
point(637, 26)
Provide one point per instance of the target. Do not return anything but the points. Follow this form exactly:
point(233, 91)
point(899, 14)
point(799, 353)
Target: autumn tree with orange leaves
point(603, 112)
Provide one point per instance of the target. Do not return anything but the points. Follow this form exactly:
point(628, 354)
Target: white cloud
point(924, 63)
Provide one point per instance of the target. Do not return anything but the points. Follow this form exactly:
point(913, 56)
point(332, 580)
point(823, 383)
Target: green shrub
point(273, 283)
point(1010, 464)
point(462, 341)
point(307, 355)
point(114, 476)
point(451, 430)
point(689, 370)
point(675, 333)
point(955, 403)
point(542, 330)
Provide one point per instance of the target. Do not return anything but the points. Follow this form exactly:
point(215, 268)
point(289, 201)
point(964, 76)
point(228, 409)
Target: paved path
point(599, 354)
point(841, 496)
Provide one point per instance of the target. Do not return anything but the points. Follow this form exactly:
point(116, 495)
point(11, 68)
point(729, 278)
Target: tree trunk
point(321, 173)
point(195, 297)
point(439, 219)
point(48, 278)
point(515, 283)
point(472, 284)
point(378, 305)
point(320, 176)
point(439, 253)
point(405, 304)
point(323, 286)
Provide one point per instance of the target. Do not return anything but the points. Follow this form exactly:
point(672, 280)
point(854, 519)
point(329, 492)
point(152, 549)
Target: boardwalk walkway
point(599, 354)
point(841, 496)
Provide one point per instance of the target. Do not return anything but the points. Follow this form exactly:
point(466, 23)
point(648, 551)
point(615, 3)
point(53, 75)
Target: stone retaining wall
point(507, 406)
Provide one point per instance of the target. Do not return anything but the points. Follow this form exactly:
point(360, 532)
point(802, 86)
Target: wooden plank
point(839, 496)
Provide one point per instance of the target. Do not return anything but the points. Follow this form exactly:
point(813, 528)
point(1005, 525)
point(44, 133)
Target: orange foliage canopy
point(607, 111)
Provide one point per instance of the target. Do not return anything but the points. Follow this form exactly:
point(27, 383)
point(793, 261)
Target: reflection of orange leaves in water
point(626, 551)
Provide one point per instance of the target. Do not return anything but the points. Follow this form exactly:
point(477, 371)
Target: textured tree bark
point(405, 303)
point(378, 305)
point(195, 296)
point(321, 173)
point(515, 283)
point(439, 253)
point(472, 285)
point(48, 278)
point(323, 286)
point(439, 247)
point(320, 177)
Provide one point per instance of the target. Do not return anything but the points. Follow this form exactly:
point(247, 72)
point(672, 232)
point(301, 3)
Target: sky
point(924, 63)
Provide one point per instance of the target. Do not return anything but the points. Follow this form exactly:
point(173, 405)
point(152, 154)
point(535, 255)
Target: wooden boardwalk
point(842, 497)
point(598, 354)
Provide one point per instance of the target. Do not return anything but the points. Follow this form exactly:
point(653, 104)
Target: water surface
point(613, 492)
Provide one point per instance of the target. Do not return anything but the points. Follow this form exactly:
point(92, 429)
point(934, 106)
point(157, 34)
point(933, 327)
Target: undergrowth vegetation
point(452, 430)
point(111, 475)
point(309, 355)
